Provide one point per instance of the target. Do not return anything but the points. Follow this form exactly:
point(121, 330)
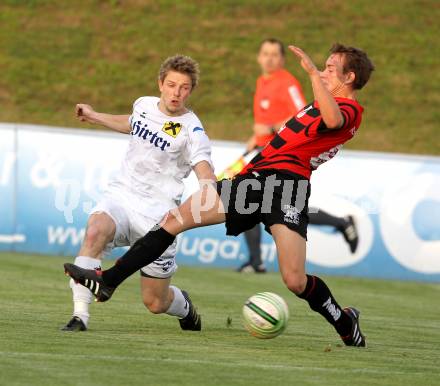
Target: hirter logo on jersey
point(141, 131)
point(172, 128)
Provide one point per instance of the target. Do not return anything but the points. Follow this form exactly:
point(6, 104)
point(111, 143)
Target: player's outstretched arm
point(261, 132)
point(330, 112)
point(85, 113)
point(204, 172)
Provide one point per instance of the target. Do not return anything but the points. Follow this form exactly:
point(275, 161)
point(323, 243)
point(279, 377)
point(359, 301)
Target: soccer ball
point(265, 315)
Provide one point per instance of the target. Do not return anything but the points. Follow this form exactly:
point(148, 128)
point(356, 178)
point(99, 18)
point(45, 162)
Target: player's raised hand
point(306, 62)
point(84, 113)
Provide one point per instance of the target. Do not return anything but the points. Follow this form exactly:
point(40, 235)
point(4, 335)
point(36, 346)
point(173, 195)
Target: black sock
point(321, 300)
point(253, 241)
point(324, 218)
point(143, 252)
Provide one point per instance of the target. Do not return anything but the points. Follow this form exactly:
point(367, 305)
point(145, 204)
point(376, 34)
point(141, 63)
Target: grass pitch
point(56, 53)
point(126, 345)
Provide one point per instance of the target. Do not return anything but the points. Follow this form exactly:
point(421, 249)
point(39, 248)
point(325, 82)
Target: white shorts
point(132, 225)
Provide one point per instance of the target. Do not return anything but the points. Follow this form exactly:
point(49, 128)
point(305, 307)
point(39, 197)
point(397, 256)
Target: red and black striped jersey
point(305, 142)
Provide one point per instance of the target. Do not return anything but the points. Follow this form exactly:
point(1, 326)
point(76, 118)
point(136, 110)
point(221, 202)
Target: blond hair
point(182, 64)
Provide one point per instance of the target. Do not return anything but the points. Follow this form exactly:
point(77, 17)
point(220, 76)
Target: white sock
point(179, 306)
point(82, 296)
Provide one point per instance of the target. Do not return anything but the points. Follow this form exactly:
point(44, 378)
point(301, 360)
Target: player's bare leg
point(161, 297)
point(291, 249)
point(203, 208)
point(156, 294)
point(100, 231)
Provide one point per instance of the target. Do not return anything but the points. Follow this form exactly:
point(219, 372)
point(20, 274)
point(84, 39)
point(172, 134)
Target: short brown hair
point(357, 61)
point(184, 65)
point(275, 41)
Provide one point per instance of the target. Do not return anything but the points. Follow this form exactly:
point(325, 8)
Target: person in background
point(278, 97)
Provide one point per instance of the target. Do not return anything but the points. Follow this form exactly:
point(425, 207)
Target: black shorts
point(269, 197)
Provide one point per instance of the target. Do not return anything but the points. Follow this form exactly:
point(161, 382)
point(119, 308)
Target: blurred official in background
point(278, 97)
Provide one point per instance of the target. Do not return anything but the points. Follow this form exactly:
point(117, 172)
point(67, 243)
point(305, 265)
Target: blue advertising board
point(51, 178)
point(7, 189)
point(61, 177)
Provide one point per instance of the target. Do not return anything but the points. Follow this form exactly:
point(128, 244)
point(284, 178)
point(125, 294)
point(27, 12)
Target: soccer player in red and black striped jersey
point(279, 96)
point(273, 189)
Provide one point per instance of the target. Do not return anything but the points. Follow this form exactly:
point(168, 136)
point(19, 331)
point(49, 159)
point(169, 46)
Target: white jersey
point(161, 152)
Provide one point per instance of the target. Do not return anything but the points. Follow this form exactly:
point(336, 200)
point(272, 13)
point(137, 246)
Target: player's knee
point(154, 305)
point(93, 233)
point(96, 231)
point(170, 217)
point(173, 221)
point(295, 282)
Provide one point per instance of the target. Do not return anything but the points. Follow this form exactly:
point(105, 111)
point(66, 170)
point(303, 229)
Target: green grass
point(54, 54)
point(126, 345)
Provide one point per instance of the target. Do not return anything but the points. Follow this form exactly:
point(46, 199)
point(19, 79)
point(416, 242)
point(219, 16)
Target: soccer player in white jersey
point(166, 142)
